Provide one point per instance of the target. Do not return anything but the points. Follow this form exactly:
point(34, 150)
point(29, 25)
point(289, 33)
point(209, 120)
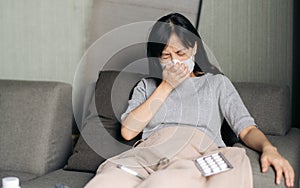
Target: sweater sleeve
point(137, 98)
point(232, 106)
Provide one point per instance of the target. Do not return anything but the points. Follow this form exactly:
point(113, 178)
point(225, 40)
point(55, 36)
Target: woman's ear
point(195, 48)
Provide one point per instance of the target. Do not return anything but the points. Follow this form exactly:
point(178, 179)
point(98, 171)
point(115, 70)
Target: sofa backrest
point(112, 93)
point(269, 104)
point(35, 125)
point(111, 14)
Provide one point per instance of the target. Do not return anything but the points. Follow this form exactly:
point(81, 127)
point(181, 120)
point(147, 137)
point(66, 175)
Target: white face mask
point(189, 63)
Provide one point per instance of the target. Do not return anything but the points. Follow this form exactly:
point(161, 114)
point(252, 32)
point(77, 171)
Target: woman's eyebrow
point(165, 53)
point(180, 50)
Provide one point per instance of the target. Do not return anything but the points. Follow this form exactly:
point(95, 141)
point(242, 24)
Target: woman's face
point(175, 50)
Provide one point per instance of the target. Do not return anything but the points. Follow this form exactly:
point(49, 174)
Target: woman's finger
point(184, 71)
point(289, 175)
point(264, 164)
point(173, 68)
point(278, 168)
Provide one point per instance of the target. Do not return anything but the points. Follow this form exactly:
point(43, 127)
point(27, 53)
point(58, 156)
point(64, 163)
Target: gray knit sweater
point(202, 102)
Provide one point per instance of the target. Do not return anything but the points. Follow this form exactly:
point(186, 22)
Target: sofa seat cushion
point(291, 153)
point(23, 176)
point(69, 178)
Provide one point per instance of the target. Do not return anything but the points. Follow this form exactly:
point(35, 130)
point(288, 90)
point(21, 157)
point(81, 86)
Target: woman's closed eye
point(165, 56)
point(181, 54)
point(168, 56)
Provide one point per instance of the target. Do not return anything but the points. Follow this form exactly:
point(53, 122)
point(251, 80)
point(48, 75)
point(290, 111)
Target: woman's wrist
point(269, 147)
point(166, 87)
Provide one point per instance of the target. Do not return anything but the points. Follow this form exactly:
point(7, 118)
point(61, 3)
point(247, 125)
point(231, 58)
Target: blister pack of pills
point(213, 164)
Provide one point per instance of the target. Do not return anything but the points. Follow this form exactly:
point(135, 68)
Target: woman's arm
point(239, 119)
point(137, 119)
point(255, 139)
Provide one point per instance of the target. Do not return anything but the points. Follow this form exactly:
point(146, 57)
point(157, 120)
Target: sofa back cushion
point(101, 134)
point(269, 104)
point(35, 125)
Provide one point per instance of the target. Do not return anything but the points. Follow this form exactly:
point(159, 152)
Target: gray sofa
point(36, 124)
point(35, 128)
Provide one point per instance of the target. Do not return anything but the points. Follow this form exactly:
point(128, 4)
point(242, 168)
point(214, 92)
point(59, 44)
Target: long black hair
point(188, 35)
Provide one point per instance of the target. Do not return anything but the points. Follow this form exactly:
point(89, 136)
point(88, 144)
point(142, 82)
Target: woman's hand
point(175, 74)
point(270, 156)
point(255, 139)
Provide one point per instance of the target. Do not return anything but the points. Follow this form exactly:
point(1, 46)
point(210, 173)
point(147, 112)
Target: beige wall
point(44, 40)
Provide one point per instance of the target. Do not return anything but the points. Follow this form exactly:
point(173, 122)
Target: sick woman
point(179, 111)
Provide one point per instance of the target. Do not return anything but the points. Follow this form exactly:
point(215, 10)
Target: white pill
point(216, 170)
point(223, 166)
point(201, 161)
point(204, 166)
point(208, 170)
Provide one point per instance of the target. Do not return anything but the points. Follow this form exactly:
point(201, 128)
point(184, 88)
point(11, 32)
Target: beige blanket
point(167, 159)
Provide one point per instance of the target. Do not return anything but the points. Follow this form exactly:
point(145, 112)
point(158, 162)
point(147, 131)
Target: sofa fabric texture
point(112, 92)
point(35, 124)
point(269, 105)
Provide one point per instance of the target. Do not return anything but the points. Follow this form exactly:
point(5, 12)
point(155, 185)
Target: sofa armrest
point(288, 146)
point(35, 125)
